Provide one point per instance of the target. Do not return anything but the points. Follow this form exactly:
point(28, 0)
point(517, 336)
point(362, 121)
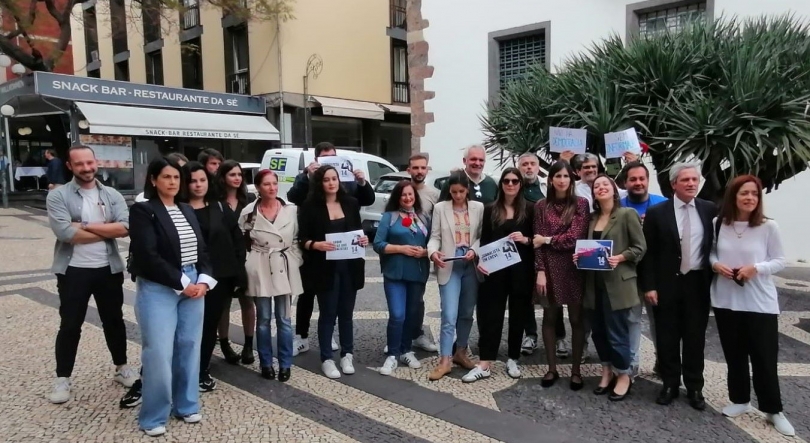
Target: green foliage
point(732, 94)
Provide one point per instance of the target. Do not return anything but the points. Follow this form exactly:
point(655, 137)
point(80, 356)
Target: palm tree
point(734, 95)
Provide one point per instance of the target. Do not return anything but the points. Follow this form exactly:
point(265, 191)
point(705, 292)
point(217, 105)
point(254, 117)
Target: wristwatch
point(84, 225)
point(548, 240)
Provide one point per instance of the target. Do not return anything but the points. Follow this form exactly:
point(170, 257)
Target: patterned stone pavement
point(366, 406)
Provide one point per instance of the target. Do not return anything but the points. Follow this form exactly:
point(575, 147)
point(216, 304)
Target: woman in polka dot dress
point(559, 221)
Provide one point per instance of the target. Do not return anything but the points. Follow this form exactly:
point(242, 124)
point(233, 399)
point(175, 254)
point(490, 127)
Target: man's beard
point(418, 180)
point(83, 180)
point(638, 198)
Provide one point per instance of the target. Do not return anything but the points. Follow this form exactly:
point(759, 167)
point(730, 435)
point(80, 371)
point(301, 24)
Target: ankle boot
point(247, 352)
point(227, 351)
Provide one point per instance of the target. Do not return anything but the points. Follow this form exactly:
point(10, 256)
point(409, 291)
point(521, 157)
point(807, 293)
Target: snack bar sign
point(90, 89)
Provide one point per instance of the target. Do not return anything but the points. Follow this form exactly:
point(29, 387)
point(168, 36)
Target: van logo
point(278, 164)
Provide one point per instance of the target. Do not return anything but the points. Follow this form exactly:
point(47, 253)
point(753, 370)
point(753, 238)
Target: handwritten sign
point(498, 255)
point(342, 164)
point(347, 245)
point(592, 255)
point(567, 139)
point(617, 143)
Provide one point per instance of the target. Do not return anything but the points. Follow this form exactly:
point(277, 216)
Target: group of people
point(198, 240)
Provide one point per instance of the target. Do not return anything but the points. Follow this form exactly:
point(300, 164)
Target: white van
point(289, 162)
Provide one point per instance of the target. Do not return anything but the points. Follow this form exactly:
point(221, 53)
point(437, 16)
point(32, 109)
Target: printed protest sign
point(342, 164)
point(567, 139)
point(498, 255)
point(617, 143)
point(347, 245)
point(592, 255)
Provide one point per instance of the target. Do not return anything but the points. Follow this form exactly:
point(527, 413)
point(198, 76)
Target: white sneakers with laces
point(300, 345)
point(335, 346)
point(126, 376)
point(424, 342)
point(329, 369)
point(155, 432)
point(512, 368)
point(61, 391)
point(347, 364)
point(781, 423)
point(475, 374)
point(528, 346)
point(736, 410)
point(409, 358)
point(389, 365)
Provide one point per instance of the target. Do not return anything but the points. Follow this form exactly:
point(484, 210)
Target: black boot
point(230, 355)
point(247, 352)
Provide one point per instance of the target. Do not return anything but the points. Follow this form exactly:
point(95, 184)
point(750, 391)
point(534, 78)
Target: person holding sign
point(455, 233)
point(509, 216)
point(329, 210)
point(559, 221)
point(401, 241)
point(611, 295)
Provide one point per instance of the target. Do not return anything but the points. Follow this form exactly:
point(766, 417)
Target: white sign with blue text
point(567, 139)
point(617, 143)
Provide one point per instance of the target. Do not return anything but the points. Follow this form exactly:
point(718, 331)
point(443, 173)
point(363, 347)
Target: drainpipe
point(281, 116)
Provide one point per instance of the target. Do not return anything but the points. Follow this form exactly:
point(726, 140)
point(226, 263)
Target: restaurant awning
point(350, 108)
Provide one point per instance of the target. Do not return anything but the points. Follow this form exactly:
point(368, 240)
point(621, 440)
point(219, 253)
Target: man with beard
point(637, 182)
point(86, 218)
point(482, 187)
point(529, 166)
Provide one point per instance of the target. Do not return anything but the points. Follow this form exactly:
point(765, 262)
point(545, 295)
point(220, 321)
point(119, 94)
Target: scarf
point(415, 224)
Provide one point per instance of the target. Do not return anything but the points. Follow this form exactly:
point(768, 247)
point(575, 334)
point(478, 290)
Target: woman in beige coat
point(271, 234)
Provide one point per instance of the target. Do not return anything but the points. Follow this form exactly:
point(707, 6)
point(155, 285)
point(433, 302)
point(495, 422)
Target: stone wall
point(418, 71)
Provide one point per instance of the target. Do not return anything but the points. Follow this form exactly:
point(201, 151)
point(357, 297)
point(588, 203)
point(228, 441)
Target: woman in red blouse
point(559, 221)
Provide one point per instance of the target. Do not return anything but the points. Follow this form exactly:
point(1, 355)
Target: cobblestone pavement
point(365, 407)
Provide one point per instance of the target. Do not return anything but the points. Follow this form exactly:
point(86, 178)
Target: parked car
point(371, 215)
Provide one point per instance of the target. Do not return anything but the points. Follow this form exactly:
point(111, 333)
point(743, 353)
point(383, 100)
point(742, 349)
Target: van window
point(386, 184)
point(439, 182)
point(377, 170)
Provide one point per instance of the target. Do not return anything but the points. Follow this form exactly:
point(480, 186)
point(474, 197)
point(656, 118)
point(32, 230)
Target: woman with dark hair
point(271, 229)
point(232, 190)
point(328, 210)
point(509, 216)
point(226, 249)
point(611, 295)
point(746, 253)
point(454, 235)
point(559, 221)
point(401, 241)
point(172, 276)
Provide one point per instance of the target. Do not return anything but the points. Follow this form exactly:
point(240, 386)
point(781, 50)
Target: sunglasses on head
point(511, 181)
point(477, 189)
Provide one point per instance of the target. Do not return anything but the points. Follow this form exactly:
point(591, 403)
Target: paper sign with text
point(498, 255)
point(592, 255)
point(617, 143)
point(342, 164)
point(347, 245)
point(567, 139)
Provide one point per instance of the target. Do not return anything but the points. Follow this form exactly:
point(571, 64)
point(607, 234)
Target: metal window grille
point(518, 54)
point(400, 75)
point(670, 19)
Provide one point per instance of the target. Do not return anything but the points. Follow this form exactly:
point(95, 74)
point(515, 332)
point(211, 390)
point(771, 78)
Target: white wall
point(458, 50)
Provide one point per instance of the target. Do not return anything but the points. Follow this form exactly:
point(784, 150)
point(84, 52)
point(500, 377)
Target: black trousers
point(491, 306)
point(681, 319)
point(754, 336)
point(216, 301)
point(75, 287)
point(303, 313)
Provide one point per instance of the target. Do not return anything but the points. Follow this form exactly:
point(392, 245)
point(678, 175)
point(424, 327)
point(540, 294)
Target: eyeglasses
point(511, 181)
point(477, 189)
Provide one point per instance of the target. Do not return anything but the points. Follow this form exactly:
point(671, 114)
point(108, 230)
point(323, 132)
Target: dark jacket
point(318, 273)
point(55, 172)
point(155, 245)
point(300, 189)
point(226, 244)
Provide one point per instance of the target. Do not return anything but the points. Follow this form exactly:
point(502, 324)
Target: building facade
point(336, 72)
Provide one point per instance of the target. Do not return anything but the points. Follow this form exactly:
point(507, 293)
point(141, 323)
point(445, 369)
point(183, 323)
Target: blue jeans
point(264, 339)
point(403, 309)
point(458, 296)
point(171, 332)
point(337, 303)
point(635, 334)
point(610, 331)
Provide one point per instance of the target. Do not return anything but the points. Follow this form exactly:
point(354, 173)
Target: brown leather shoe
point(440, 371)
point(461, 359)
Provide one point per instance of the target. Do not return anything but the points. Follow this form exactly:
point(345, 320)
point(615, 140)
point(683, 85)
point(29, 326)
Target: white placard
point(342, 164)
point(617, 143)
point(498, 255)
point(567, 139)
point(347, 245)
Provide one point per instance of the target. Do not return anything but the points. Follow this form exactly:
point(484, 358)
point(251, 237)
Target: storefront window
point(341, 132)
point(114, 159)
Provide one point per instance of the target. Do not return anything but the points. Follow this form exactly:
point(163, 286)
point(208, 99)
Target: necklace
point(739, 234)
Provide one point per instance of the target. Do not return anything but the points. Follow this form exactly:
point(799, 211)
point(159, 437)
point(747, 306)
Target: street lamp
point(314, 68)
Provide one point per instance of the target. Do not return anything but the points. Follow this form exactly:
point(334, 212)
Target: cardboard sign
point(617, 143)
point(567, 139)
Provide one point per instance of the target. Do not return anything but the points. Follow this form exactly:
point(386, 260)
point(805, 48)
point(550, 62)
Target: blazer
point(400, 266)
point(624, 228)
point(442, 235)
point(274, 261)
point(226, 246)
point(661, 266)
point(317, 272)
point(155, 245)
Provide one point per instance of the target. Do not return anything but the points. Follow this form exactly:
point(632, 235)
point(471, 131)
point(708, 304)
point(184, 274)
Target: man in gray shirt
point(86, 218)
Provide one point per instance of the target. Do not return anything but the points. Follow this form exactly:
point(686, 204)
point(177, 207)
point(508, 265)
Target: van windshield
point(386, 184)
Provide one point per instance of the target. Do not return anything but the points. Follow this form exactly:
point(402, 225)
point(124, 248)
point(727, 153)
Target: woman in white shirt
point(746, 252)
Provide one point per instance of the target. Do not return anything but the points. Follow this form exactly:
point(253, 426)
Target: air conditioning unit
point(94, 56)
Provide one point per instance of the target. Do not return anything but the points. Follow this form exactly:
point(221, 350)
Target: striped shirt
point(188, 240)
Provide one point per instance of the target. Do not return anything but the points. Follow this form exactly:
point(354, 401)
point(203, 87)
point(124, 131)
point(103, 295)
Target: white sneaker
point(512, 368)
point(347, 365)
point(736, 410)
point(126, 376)
point(781, 424)
point(389, 365)
point(192, 418)
point(155, 432)
point(329, 369)
point(424, 342)
point(409, 358)
point(61, 391)
point(385, 349)
point(476, 374)
point(335, 346)
point(561, 350)
point(528, 346)
point(300, 345)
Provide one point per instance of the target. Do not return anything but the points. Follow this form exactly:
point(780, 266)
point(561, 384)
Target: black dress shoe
point(616, 397)
point(696, 400)
point(283, 374)
point(603, 390)
point(269, 373)
point(247, 354)
point(549, 382)
point(576, 385)
point(667, 395)
point(227, 351)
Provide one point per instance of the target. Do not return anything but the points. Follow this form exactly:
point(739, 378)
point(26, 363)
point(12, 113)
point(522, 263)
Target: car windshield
point(386, 184)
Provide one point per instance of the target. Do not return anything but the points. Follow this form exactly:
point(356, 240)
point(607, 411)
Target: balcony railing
point(239, 83)
point(401, 92)
point(398, 14)
point(191, 16)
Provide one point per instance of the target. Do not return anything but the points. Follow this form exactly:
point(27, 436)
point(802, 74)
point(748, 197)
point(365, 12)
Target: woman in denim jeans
point(271, 231)
point(401, 241)
point(455, 232)
point(172, 275)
